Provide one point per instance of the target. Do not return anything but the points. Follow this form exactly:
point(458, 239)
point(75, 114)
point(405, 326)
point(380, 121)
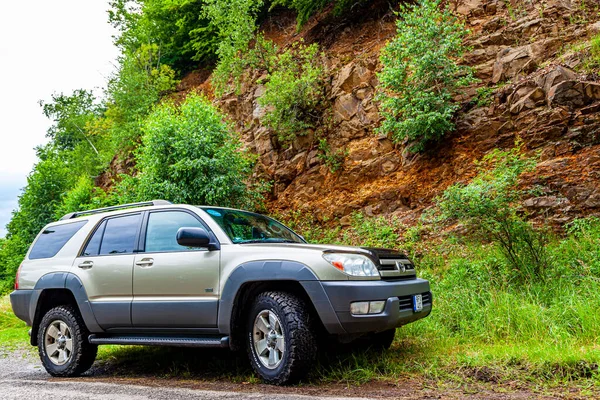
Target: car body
point(156, 273)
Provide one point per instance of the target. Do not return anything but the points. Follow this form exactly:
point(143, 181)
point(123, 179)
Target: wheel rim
point(269, 339)
point(58, 342)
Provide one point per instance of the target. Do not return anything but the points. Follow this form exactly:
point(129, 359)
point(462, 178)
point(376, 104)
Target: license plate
point(418, 303)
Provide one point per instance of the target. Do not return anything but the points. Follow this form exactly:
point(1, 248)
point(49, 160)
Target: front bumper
point(398, 309)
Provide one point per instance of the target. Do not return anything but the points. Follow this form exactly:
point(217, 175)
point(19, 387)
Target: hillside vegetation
point(465, 133)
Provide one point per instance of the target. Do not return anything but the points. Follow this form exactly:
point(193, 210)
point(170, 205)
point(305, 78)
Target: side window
point(53, 239)
point(163, 227)
point(93, 246)
point(120, 234)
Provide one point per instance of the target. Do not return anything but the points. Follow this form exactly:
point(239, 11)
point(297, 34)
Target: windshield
point(247, 227)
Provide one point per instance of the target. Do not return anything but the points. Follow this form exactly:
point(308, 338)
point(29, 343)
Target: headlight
point(352, 264)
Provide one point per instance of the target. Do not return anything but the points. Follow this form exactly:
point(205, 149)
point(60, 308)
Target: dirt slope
point(520, 49)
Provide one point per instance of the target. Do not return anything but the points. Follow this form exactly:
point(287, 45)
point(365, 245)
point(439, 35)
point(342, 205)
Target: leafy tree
point(421, 74)
point(132, 92)
point(46, 186)
point(71, 116)
point(177, 27)
point(190, 155)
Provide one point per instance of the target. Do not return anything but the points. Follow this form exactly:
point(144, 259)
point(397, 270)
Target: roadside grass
point(13, 331)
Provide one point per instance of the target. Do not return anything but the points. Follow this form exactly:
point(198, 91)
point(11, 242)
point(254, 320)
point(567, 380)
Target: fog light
point(376, 307)
point(359, 308)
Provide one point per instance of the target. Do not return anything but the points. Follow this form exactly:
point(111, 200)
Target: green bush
point(293, 89)
point(333, 159)
point(190, 155)
point(420, 74)
point(488, 208)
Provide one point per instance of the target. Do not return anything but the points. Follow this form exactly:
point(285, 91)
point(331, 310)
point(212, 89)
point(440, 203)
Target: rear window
point(53, 239)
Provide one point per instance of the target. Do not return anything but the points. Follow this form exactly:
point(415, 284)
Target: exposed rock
point(345, 107)
point(567, 93)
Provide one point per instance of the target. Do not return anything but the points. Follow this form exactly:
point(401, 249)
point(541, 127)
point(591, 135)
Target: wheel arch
point(60, 288)
point(252, 278)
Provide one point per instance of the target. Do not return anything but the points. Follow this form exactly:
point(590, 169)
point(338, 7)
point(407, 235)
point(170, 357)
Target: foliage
point(177, 27)
point(420, 74)
point(82, 196)
point(46, 187)
point(293, 89)
point(132, 91)
point(236, 24)
point(71, 116)
point(306, 8)
point(333, 159)
point(190, 155)
point(484, 96)
point(488, 208)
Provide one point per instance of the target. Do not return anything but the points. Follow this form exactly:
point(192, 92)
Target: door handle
point(145, 262)
point(86, 265)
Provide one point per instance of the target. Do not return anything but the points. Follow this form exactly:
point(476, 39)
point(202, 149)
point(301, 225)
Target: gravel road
point(22, 377)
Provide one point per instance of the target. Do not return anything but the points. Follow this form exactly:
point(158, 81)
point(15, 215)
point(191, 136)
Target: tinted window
point(93, 246)
point(163, 227)
point(119, 235)
point(53, 239)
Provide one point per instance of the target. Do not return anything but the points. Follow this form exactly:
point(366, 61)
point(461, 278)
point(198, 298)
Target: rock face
point(537, 97)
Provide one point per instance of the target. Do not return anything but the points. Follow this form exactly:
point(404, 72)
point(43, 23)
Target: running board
point(178, 341)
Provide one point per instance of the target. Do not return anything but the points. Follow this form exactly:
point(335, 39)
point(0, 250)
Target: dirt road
point(22, 377)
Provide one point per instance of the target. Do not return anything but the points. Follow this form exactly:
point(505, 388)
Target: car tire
point(62, 343)
point(282, 344)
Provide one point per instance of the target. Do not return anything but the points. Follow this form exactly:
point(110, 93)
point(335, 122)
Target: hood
point(375, 253)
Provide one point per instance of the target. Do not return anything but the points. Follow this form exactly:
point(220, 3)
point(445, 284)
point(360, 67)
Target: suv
point(156, 273)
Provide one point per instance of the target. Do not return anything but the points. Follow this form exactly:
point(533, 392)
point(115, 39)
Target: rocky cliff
point(530, 55)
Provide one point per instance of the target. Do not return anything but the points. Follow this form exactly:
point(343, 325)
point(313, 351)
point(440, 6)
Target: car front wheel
point(281, 339)
point(62, 343)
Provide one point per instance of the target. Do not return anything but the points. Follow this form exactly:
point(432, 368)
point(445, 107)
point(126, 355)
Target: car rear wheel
point(281, 340)
point(62, 343)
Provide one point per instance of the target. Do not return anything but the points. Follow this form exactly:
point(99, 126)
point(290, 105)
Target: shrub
point(421, 74)
point(293, 89)
point(82, 196)
point(190, 155)
point(488, 208)
point(333, 159)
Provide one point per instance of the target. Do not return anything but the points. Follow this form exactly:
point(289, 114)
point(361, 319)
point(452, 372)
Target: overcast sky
point(45, 47)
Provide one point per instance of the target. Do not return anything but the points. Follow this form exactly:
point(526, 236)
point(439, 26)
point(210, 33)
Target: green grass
point(13, 331)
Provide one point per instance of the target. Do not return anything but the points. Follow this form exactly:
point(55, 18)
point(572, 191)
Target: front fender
point(274, 270)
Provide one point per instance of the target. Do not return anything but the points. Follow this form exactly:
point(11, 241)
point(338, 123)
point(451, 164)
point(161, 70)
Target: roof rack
point(114, 208)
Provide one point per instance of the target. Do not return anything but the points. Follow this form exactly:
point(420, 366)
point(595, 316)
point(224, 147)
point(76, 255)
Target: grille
point(396, 269)
point(406, 302)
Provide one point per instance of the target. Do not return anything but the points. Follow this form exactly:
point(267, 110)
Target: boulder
point(567, 93)
point(345, 107)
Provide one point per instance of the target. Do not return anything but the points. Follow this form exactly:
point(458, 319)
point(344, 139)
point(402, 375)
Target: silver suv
point(161, 274)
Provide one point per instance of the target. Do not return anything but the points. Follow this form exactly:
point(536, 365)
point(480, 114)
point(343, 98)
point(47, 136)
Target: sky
point(46, 47)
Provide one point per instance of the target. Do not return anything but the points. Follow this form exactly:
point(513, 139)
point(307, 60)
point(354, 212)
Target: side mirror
point(195, 237)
